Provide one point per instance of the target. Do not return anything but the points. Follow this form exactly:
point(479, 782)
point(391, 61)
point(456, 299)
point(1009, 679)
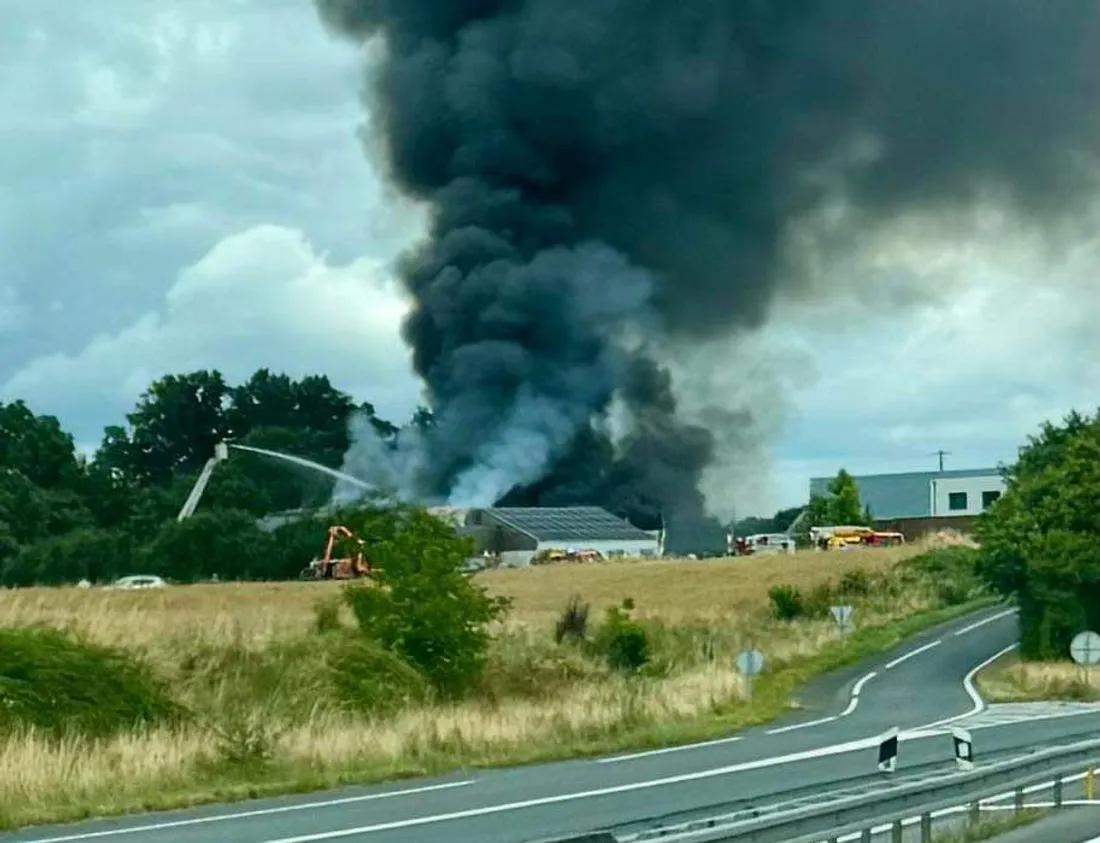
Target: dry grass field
point(255, 614)
point(247, 660)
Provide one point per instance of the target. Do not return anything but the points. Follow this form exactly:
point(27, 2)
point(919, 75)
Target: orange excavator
point(345, 568)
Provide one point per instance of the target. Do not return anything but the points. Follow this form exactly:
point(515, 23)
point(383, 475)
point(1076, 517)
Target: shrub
point(53, 682)
point(243, 737)
point(623, 641)
point(855, 582)
point(819, 601)
point(420, 606)
point(371, 680)
point(951, 572)
point(573, 621)
point(787, 602)
point(326, 616)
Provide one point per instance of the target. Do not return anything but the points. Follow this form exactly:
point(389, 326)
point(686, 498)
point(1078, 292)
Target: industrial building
point(917, 502)
point(518, 533)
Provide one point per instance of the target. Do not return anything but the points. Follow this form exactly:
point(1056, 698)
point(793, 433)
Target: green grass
point(990, 829)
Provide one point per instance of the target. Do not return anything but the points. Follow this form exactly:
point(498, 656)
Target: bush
point(573, 621)
point(420, 606)
point(787, 602)
point(370, 680)
point(952, 572)
point(52, 682)
point(623, 641)
point(855, 583)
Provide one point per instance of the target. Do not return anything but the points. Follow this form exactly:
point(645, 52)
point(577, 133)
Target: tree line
point(66, 517)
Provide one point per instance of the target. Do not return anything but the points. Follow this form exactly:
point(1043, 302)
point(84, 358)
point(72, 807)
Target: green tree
point(784, 518)
point(844, 503)
point(86, 553)
point(226, 543)
point(420, 606)
point(1040, 542)
point(37, 447)
point(173, 429)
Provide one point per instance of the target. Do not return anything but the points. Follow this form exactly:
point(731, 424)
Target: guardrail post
point(865, 837)
point(1090, 784)
point(975, 813)
point(1058, 792)
point(1018, 800)
point(897, 832)
point(926, 828)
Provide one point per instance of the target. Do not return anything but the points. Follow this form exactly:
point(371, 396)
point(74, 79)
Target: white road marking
point(984, 621)
point(246, 815)
point(819, 722)
point(645, 753)
point(911, 653)
point(971, 690)
point(853, 702)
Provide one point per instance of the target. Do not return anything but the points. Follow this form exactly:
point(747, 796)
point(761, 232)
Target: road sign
point(964, 748)
point(1085, 648)
point(842, 615)
point(888, 751)
point(750, 662)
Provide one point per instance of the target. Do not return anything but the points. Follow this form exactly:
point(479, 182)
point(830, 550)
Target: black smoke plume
point(610, 177)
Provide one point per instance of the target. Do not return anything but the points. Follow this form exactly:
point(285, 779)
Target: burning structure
point(611, 182)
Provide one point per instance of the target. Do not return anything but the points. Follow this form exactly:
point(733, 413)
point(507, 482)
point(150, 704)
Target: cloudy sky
point(184, 188)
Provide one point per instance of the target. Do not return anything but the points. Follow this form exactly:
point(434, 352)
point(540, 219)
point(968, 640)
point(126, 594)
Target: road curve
point(918, 687)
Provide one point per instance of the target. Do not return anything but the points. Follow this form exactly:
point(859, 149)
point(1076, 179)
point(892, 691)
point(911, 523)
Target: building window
point(956, 501)
point(988, 498)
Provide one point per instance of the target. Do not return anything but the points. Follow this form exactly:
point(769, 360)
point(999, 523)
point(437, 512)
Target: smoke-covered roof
point(573, 524)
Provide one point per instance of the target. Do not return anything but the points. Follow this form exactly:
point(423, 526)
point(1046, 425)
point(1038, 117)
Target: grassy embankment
point(253, 689)
point(1012, 680)
point(990, 829)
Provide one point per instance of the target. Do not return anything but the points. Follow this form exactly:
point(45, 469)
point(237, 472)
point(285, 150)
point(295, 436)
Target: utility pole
point(941, 454)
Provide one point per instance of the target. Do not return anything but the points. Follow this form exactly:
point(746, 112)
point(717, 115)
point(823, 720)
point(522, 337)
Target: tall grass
point(1011, 680)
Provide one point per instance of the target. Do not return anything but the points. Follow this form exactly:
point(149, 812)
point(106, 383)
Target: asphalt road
point(831, 743)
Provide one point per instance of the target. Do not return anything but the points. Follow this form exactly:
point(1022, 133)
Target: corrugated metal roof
point(573, 524)
point(906, 495)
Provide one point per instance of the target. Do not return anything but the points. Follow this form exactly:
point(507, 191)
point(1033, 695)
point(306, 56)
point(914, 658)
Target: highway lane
point(920, 683)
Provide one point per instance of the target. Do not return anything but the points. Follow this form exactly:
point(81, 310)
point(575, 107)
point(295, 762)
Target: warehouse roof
point(567, 524)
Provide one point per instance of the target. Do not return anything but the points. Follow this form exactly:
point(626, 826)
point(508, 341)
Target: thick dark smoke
point(610, 176)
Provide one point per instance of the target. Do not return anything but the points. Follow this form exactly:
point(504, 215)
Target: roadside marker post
point(888, 751)
point(964, 749)
point(749, 664)
point(842, 615)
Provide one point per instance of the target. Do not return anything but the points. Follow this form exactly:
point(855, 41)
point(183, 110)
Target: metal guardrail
point(834, 818)
point(817, 824)
point(675, 825)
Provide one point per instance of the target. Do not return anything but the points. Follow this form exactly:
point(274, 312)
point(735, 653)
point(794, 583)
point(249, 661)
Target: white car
point(138, 581)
